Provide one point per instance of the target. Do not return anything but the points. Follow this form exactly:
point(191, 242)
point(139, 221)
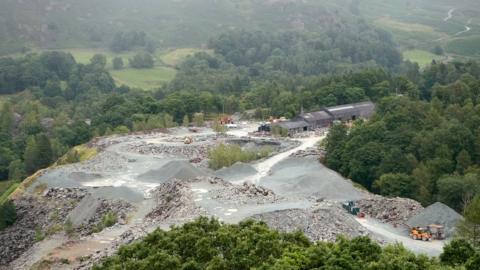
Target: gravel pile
point(245, 194)
point(194, 151)
point(107, 161)
point(395, 211)
point(324, 222)
point(174, 203)
point(236, 172)
point(306, 177)
point(437, 213)
point(176, 169)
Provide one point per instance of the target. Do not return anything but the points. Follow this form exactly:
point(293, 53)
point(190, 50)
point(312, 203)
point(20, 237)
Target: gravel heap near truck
point(323, 222)
point(437, 213)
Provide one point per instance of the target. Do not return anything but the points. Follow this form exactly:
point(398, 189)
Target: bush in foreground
point(208, 244)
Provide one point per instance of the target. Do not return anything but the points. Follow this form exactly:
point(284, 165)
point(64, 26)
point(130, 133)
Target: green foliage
point(457, 252)
point(421, 146)
point(39, 235)
point(117, 63)
point(208, 244)
point(142, 60)
point(279, 131)
point(219, 128)
point(109, 219)
point(68, 227)
point(186, 121)
point(226, 155)
point(396, 185)
point(199, 119)
point(125, 41)
point(8, 214)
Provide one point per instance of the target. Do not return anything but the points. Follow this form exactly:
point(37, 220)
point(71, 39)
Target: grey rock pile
point(174, 203)
point(244, 194)
point(324, 222)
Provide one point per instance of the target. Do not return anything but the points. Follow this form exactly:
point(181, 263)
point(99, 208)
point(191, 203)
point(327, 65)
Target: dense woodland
point(208, 244)
point(425, 147)
point(56, 103)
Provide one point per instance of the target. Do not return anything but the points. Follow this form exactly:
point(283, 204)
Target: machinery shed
point(354, 111)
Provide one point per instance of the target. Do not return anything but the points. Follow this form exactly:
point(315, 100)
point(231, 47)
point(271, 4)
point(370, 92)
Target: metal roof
point(362, 107)
point(316, 116)
point(293, 124)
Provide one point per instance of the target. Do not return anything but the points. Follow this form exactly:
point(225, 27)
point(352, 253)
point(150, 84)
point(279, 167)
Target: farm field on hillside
point(422, 26)
point(139, 78)
point(146, 79)
point(423, 58)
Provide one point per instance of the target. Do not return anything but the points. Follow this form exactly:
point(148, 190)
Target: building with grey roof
point(294, 126)
point(362, 110)
point(325, 117)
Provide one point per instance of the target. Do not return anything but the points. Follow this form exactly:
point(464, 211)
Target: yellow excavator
point(418, 233)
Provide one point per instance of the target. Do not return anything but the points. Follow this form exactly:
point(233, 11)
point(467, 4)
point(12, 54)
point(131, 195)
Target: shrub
point(8, 214)
point(226, 155)
point(109, 219)
point(142, 60)
point(457, 252)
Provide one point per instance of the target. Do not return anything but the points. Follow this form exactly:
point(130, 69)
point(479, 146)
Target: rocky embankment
point(54, 211)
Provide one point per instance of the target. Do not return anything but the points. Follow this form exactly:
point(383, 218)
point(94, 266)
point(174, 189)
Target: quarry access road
point(394, 235)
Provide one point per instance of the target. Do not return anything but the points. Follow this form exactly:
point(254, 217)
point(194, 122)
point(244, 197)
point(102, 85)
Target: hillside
point(171, 23)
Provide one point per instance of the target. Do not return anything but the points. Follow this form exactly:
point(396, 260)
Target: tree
point(6, 118)
point(199, 119)
point(99, 61)
point(168, 121)
point(457, 252)
point(469, 228)
point(16, 170)
point(6, 157)
point(142, 60)
point(44, 151)
point(30, 155)
point(52, 89)
point(8, 214)
point(474, 262)
point(117, 63)
point(438, 50)
point(457, 191)
point(186, 121)
point(218, 127)
point(463, 161)
point(38, 153)
point(396, 185)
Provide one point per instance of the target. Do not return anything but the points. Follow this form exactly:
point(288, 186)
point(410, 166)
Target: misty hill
point(171, 23)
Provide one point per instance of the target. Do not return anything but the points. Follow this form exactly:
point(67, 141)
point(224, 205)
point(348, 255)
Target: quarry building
point(325, 117)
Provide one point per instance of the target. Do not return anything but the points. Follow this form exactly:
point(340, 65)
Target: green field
point(423, 58)
point(146, 79)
